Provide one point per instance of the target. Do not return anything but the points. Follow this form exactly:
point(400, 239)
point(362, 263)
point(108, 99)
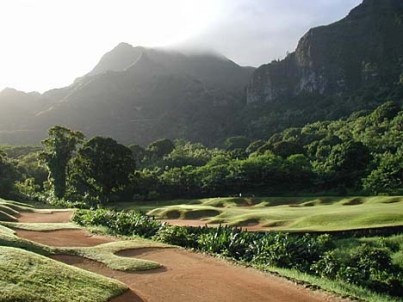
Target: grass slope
point(106, 253)
point(26, 276)
point(287, 213)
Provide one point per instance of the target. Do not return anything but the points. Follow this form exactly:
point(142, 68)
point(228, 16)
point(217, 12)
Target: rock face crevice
point(365, 48)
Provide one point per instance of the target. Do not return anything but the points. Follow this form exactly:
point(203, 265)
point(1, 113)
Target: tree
point(348, 163)
point(236, 142)
point(102, 169)
point(286, 148)
point(254, 146)
point(388, 176)
point(8, 175)
point(138, 152)
point(59, 148)
point(161, 147)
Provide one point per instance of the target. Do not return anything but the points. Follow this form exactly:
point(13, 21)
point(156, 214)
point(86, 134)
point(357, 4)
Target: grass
point(106, 254)
point(286, 213)
point(41, 226)
point(9, 239)
point(26, 276)
point(334, 286)
point(17, 206)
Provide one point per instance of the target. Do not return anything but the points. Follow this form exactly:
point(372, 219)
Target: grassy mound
point(34, 226)
point(9, 239)
point(106, 253)
point(291, 213)
point(6, 209)
point(197, 214)
point(26, 276)
point(7, 217)
point(17, 206)
point(187, 211)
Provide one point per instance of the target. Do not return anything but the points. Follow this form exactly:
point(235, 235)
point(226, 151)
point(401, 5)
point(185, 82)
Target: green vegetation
point(361, 155)
point(101, 170)
point(58, 150)
point(288, 213)
point(106, 254)
point(40, 226)
point(334, 286)
point(26, 276)
point(363, 262)
point(355, 157)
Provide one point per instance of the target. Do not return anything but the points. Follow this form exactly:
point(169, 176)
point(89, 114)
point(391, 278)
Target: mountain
point(138, 95)
point(364, 49)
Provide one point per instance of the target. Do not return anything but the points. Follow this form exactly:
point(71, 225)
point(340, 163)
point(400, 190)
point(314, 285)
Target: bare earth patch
point(75, 238)
point(185, 276)
point(194, 277)
point(46, 217)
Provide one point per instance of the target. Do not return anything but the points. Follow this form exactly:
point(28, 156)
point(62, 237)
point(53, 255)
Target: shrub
point(178, 235)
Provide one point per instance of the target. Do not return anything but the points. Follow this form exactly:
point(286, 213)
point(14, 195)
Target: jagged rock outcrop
point(365, 48)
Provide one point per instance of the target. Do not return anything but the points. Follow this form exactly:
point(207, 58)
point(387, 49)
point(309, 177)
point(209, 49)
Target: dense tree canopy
point(361, 154)
point(102, 169)
point(58, 149)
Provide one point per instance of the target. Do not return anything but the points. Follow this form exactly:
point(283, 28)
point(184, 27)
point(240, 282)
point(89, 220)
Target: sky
point(46, 44)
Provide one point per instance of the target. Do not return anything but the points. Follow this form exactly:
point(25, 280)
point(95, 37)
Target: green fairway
point(288, 213)
point(26, 276)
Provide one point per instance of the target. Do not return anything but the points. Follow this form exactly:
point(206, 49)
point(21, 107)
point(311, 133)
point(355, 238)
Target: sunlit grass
point(334, 286)
point(289, 213)
point(26, 276)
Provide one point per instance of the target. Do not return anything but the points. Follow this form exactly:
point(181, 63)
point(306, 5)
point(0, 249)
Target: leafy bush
point(122, 222)
point(178, 235)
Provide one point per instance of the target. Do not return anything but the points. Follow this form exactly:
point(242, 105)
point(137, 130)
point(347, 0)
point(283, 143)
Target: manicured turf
point(40, 226)
point(26, 276)
point(287, 213)
point(105, 253)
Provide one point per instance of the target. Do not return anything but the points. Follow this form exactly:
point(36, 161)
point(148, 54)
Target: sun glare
point(65, 39)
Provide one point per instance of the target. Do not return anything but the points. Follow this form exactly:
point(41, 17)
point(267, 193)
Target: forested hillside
point(358, 155)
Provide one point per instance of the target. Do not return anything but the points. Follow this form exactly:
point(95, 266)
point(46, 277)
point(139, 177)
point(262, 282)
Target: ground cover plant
point(363, 264)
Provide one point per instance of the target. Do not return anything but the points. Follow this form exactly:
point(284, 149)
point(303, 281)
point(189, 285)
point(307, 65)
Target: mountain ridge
point(339, 58)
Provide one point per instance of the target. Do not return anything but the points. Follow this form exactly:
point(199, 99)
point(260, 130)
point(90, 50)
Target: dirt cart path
point(185, 276)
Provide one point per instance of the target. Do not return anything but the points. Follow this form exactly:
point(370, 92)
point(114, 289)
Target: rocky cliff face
point(365, 48)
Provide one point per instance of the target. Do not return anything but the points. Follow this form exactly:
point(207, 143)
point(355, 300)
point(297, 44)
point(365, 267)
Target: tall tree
point(102, 168)
point(59, 148)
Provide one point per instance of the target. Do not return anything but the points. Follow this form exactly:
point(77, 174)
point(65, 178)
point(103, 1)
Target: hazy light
point(47, 43)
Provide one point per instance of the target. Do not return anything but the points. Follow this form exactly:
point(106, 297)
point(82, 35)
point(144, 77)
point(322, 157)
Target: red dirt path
point(76, 238)
point(45, 217)
point(185, 276)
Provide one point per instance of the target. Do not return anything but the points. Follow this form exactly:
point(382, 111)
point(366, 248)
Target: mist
point(47, 44)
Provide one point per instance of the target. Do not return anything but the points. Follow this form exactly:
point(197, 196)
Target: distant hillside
point(138, 94)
